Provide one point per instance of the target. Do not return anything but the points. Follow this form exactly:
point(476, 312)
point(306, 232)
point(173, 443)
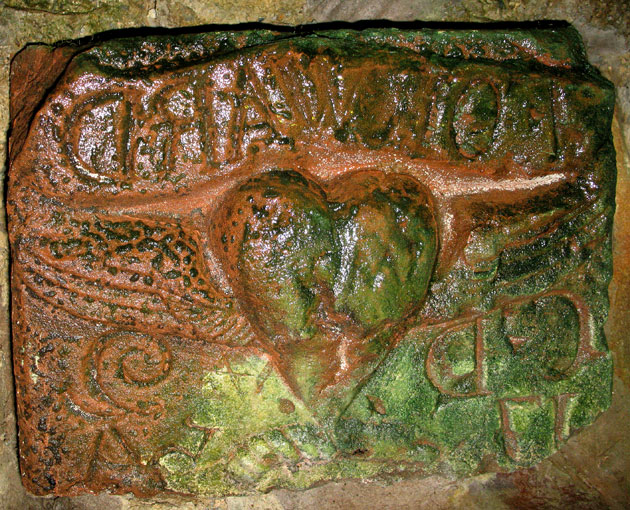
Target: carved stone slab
point(246, 260)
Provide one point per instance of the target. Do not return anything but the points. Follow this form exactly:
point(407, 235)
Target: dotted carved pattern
point(121, 309)
point(142, 274)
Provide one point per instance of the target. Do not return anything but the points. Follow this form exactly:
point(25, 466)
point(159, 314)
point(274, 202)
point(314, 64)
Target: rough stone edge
point(8, 460)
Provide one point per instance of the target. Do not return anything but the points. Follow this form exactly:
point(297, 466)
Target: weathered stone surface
point(255, 260)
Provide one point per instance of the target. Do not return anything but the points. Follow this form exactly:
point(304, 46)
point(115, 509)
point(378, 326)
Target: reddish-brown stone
point(253, 259)
point(34, 71)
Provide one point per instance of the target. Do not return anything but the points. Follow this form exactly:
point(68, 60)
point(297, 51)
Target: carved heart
point(329, 279)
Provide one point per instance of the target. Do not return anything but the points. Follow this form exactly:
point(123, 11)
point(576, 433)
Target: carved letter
point(455, 361)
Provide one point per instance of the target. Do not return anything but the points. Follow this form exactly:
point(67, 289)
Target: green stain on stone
point(458, 365)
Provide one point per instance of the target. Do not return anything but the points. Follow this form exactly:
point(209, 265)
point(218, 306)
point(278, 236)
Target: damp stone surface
point(252, 260)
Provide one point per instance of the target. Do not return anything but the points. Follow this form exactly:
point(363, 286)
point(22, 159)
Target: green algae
point(254, 443)
point(494, 359)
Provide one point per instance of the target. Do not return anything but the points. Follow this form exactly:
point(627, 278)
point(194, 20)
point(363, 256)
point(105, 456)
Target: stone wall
point(591, 471)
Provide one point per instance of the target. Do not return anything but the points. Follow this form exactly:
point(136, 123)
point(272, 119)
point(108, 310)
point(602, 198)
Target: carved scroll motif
point(254, 260)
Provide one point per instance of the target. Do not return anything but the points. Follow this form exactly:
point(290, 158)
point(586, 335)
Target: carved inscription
point(455, 361)
point(250, 260)
point(173, 129)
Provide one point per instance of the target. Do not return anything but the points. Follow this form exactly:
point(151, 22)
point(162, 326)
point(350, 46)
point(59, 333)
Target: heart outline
point(327, 341)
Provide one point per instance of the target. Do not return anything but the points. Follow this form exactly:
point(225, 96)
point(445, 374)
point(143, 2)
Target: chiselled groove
point(579, 251)
point(254, 260)
point(238, 111)
point(210, 325)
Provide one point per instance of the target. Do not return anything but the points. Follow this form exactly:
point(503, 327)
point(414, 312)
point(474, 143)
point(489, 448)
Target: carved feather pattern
point(142, 274)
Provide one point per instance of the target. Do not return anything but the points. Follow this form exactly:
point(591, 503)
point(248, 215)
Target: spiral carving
point(129, 368)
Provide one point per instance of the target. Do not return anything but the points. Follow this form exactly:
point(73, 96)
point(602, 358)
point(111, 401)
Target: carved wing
point(143, 274)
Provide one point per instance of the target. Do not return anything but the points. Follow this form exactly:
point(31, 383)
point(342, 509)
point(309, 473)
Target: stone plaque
point(247, 260)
